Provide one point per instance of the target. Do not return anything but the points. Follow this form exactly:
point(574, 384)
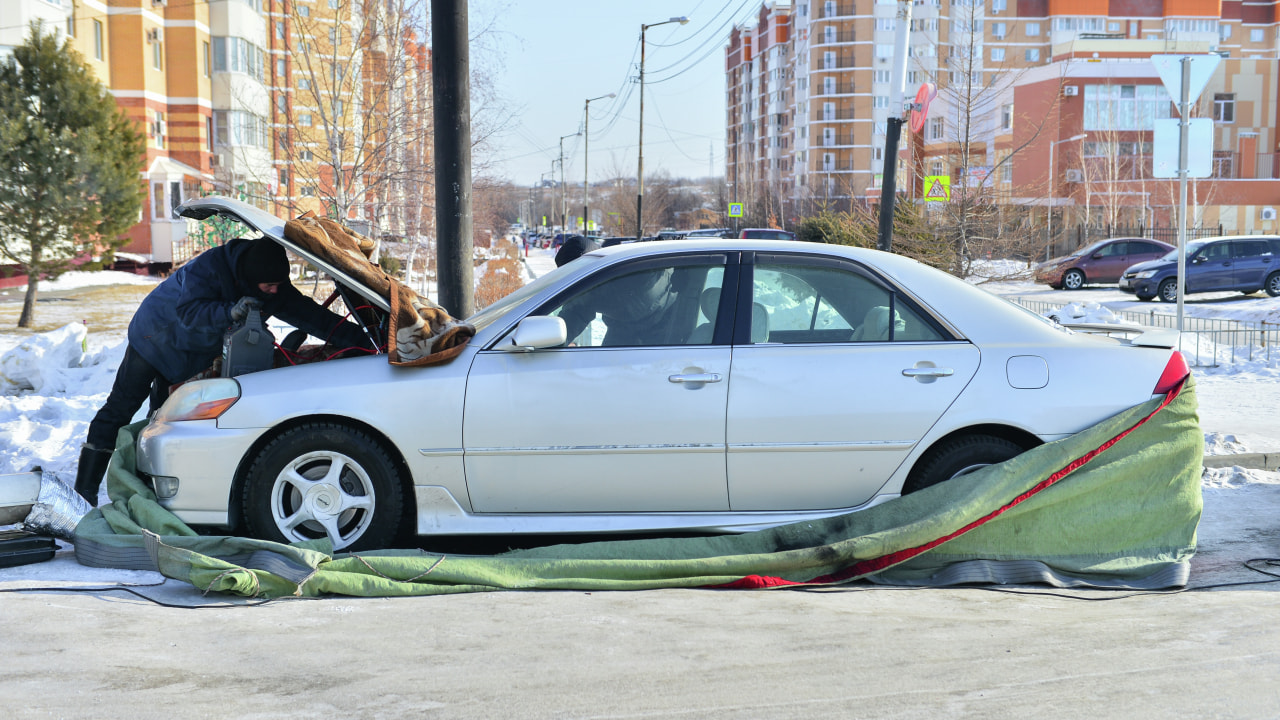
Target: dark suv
point(1247, 263)
point(1101, 262)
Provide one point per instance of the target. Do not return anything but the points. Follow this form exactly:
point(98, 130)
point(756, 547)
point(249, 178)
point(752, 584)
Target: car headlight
point(200, 400)
point(1145, 274)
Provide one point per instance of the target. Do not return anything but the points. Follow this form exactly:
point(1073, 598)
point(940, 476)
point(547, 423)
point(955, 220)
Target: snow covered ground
point(54, 381)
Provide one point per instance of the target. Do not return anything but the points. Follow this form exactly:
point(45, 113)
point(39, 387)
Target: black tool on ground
point(19, 547)
point(248, 346)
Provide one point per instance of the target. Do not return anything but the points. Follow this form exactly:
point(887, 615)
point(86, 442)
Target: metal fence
point(1213, 341)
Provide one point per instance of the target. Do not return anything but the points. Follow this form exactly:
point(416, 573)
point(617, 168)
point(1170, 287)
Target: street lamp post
point(640, 148)
point(1053, 187)
point(564, 208)
point(586, 139)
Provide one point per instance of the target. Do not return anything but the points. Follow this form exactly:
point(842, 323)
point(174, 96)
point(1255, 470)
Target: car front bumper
point(1139, 286)
point(198, 460)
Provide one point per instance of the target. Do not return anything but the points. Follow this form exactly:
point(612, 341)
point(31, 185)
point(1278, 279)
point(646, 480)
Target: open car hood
point(272, 227)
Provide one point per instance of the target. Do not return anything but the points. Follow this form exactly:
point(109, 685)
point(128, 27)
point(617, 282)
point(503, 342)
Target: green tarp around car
point(1113, 506)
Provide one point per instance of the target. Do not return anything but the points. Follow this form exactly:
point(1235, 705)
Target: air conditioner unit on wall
point(1268, 213)
point(1075, 175)
point(153, 35)
point(1070, 90)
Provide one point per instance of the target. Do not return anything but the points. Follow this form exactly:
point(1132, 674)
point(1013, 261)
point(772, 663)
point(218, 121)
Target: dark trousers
point(136, 381)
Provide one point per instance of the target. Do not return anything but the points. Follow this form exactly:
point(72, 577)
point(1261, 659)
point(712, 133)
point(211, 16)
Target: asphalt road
point(859, 651)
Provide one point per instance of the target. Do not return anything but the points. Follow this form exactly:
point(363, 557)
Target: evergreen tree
point(69, 162)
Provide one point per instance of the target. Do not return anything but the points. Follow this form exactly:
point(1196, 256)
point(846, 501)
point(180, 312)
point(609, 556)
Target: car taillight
point(1174, 372)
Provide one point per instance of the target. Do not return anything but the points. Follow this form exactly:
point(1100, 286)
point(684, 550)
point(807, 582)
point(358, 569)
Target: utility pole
point(586, 179)
point(893, 130)
point(450, 81)
point(640, 148)
point(564, 208)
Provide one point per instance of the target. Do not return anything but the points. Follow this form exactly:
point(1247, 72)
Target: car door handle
point(917, 372)
point(695, 378)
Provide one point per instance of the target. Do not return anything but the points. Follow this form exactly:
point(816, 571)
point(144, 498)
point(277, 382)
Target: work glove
point(241, 309)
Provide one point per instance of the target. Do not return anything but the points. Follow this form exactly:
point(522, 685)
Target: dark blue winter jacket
point(179, 326)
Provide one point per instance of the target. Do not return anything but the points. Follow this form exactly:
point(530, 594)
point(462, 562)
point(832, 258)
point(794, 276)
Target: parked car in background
point(672, 234)
point(611, 241)
point(1101, 262)
point(709, 233)
point(697, 385)
point(1245, 263)
point(766, 234)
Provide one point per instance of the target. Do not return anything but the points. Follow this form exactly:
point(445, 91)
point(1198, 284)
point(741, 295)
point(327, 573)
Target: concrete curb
point(1252, 461)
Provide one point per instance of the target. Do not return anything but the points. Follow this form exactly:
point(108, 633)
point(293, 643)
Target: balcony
point(838, 88)
point(836, 141)
point(834, 115)
point(834, 64)
point(835, 10)
point(833, 38)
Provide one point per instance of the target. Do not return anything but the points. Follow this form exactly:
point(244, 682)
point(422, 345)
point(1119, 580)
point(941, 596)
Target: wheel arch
point(1023, 438)
point(234, 502)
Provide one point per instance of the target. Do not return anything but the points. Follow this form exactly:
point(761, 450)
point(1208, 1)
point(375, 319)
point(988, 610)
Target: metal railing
point(1213, 341)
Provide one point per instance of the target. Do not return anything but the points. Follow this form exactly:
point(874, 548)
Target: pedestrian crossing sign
point(735, 209)
point(937, 188)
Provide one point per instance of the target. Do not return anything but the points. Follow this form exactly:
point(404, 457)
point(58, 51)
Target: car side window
point(657, 306)
point(1115, 249)
point(1216, 251)
point(1250, 248)
point(821, 304)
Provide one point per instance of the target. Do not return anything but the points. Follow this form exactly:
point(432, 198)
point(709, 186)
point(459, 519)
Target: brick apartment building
point(808, 95)
point(286, 104)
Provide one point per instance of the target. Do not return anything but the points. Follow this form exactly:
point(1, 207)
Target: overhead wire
point(697, 32)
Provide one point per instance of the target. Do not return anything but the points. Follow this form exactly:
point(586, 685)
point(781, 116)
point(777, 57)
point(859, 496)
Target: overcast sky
point(556, 54)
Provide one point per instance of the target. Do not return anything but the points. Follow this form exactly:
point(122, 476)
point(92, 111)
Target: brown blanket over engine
point(421, 332)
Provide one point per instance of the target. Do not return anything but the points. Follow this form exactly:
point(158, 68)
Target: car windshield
point(1192, 249)
point(487, 315)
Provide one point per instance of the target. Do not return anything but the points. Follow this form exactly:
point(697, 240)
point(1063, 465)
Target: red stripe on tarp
point(873, 565)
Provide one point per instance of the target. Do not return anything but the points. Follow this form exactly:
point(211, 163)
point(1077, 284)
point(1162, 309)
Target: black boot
point(93, 465)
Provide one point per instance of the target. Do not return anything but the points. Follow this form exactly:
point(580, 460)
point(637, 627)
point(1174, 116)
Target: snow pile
point(1084, 312)
point(1234, 477)
point(41, 361)
point(1216, 443)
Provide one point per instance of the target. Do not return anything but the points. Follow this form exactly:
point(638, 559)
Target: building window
point(304, 119)
point(71, 20)
point(1032, 55)
point(284, 181)
point(204, 57)
point(885, 24)
point(158, 128)
point(157, 55)
point(280, 69)
point(279, 29)
point(1033, 29)
point(1113, 27)
point(1006, 117)
point(333, 4)
point(97, 39)
point(1224, 107)
point(998, 30)
point(307, 156)
point(157, 201)
point(1256, 35)
point(237, 127)
point(999, 5)
point(997, 54)
point(882, 76)
point(1125, 107)
point(304, 11)
point(304, 84)
point(1224, 31)
point(309, 190)
point(880, 101)
point(281, 103)
point(937, 127)
point(884, 51)
point(233, 54)
point(208, 133)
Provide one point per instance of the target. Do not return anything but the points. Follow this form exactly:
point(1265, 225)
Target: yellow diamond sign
point(937, 188)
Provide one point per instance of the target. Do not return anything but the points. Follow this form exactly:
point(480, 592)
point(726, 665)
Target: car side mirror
point(1197, 260)
point(536, 332)
point(1097, 256)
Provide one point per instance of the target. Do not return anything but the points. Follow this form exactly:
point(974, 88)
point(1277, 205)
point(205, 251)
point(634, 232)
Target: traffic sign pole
point(1184, 109)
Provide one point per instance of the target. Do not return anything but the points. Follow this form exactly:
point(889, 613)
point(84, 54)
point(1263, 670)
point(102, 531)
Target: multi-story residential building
point(1018, 81)
point(294, 105)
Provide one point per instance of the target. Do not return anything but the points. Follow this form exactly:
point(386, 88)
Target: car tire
point(1168, 290)
point(1272, 286)
point(1073, 279)
point(959, 456)
point(1146, 298)
point(324, 480)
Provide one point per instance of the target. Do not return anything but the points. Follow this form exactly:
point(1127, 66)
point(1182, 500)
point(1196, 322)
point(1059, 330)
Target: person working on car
point(177, 332)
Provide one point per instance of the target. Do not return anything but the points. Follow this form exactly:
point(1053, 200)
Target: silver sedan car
point(694, 385)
